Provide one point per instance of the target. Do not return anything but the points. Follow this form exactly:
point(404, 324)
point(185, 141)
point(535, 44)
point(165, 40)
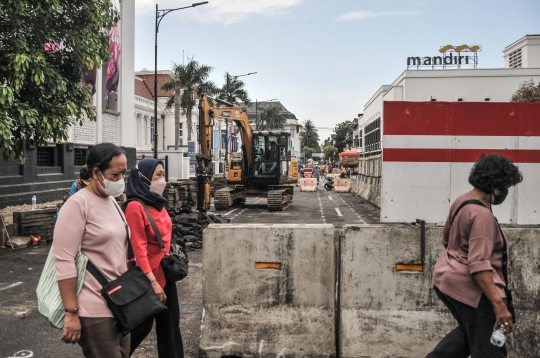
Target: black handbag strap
point(505, 252)
point(130, 257)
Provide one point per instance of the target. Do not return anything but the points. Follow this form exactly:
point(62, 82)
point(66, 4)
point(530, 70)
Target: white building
point(115, 121)
point(144, 114)
point(404, 188)
point(522, 63)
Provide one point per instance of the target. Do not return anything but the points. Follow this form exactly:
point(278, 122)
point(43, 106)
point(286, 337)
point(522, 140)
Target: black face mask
point(499, 199)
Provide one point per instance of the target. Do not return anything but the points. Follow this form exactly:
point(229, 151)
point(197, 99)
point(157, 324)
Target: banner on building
point(113, 69)
point(191, 149)
point(223, 139)
point(215, 139)
point(234, 142)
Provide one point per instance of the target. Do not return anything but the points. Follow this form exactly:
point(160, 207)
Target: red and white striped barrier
point(430, 147)
point(308, 184)
point(342, 185)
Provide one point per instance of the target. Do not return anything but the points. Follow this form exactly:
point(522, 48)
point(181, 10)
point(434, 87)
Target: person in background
point(316, 173)
point(468, 277)
point(92, 221)
point(81, 183)
point(323, 169)
point(343, 172)
point(330, 167)
point(146, 183)
point(271, 156)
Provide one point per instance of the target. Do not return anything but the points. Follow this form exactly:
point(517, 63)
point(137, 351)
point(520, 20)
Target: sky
point(324, 59)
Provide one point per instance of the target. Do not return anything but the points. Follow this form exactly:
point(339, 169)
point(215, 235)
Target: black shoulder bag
point(175, 262)
point(507, 292)
point(130, 297)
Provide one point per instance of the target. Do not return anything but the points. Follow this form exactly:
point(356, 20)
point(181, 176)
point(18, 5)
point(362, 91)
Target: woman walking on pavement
point(470, 276)
point(146, 183)
point(92, 222)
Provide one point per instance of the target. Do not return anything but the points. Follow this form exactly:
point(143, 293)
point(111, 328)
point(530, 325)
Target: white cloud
point(220, 11)
point(362, 15)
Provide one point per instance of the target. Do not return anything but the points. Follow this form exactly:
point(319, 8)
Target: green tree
point(341, 130)
point(310, 136)
point(40, 94)
point(309, 152)
point(527, 92)
point(191, 78)
point(270, 118)
point(329, 151)
point(233, 90)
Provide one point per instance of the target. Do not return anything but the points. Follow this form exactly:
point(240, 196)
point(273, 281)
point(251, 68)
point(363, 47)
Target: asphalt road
point(24, 333)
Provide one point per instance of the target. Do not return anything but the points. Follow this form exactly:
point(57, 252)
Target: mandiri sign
point(452, 56)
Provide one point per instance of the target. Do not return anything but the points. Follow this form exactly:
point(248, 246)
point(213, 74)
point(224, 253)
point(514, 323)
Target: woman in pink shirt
point(146, 183)
point(92, 222)
point(468, 277)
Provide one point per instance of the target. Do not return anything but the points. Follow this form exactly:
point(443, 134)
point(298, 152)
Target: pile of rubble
point(188, 226)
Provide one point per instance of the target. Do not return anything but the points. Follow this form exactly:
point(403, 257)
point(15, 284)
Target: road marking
point(360, 219)
point(25, 354)
point(338, 212)
point(10, 286)
point(321, 207)
point(329, 197)
point(241, 212)
point(230, 212)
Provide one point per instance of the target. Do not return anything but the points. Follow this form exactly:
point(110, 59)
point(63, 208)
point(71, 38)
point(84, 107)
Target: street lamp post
point(226, 167)
point(160, 14)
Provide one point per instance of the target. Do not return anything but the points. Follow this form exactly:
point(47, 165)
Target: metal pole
point(226, 165)
point(155, 90)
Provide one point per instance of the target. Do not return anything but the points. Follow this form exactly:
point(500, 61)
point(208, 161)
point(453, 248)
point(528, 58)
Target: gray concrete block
point(275, 312)
point(389, 313)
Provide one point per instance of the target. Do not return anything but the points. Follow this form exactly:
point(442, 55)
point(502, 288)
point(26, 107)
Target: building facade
point(49, 171)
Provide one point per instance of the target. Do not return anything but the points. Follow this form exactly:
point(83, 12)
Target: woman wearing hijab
point(146, 183)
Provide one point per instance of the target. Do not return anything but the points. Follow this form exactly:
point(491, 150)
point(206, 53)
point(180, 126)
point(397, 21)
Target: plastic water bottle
point(498, 338)
point(34, 201)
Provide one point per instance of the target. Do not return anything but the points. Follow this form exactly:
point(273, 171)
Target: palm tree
point(270, 118)
point(310, 136)
point(190, 77)
point(233, 90)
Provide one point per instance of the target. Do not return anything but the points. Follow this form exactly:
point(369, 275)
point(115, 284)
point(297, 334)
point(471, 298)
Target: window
point(514, 59)
point(460, 99)
point(433, 99)
point(181, 142)
point(180, 132)
point(487, 99)
point(373, 137)
point(45, 156)
point(79, 156)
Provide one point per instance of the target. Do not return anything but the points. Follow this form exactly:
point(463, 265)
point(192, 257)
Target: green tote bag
point(50, 303)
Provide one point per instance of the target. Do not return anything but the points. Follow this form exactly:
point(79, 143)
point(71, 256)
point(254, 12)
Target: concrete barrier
point(342, 185)
point(389, 313)
point(308, 184)
point(281, 312)
point(369, 180)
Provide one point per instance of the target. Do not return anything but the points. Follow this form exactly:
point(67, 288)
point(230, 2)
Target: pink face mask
point(158, 186)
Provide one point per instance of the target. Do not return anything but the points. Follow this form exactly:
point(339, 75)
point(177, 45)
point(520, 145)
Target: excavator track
point(222, 199)
point(279, 200)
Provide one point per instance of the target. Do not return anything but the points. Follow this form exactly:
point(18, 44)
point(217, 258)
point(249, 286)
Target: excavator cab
point(271, 157)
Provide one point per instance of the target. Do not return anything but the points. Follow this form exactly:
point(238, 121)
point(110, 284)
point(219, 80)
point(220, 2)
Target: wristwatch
point(74, 311)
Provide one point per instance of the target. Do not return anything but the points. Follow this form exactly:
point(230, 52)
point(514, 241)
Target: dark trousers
point(472, 335)
point(100, 338)
point(169, 339)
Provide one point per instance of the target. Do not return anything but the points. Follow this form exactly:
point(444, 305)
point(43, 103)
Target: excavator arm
point(232, 112)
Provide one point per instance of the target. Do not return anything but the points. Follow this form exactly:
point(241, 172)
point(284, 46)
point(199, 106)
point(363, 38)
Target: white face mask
point(158, 186)
point(113, 188)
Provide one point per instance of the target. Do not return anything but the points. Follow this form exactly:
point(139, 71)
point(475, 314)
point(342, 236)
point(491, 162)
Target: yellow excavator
point(263, 168)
